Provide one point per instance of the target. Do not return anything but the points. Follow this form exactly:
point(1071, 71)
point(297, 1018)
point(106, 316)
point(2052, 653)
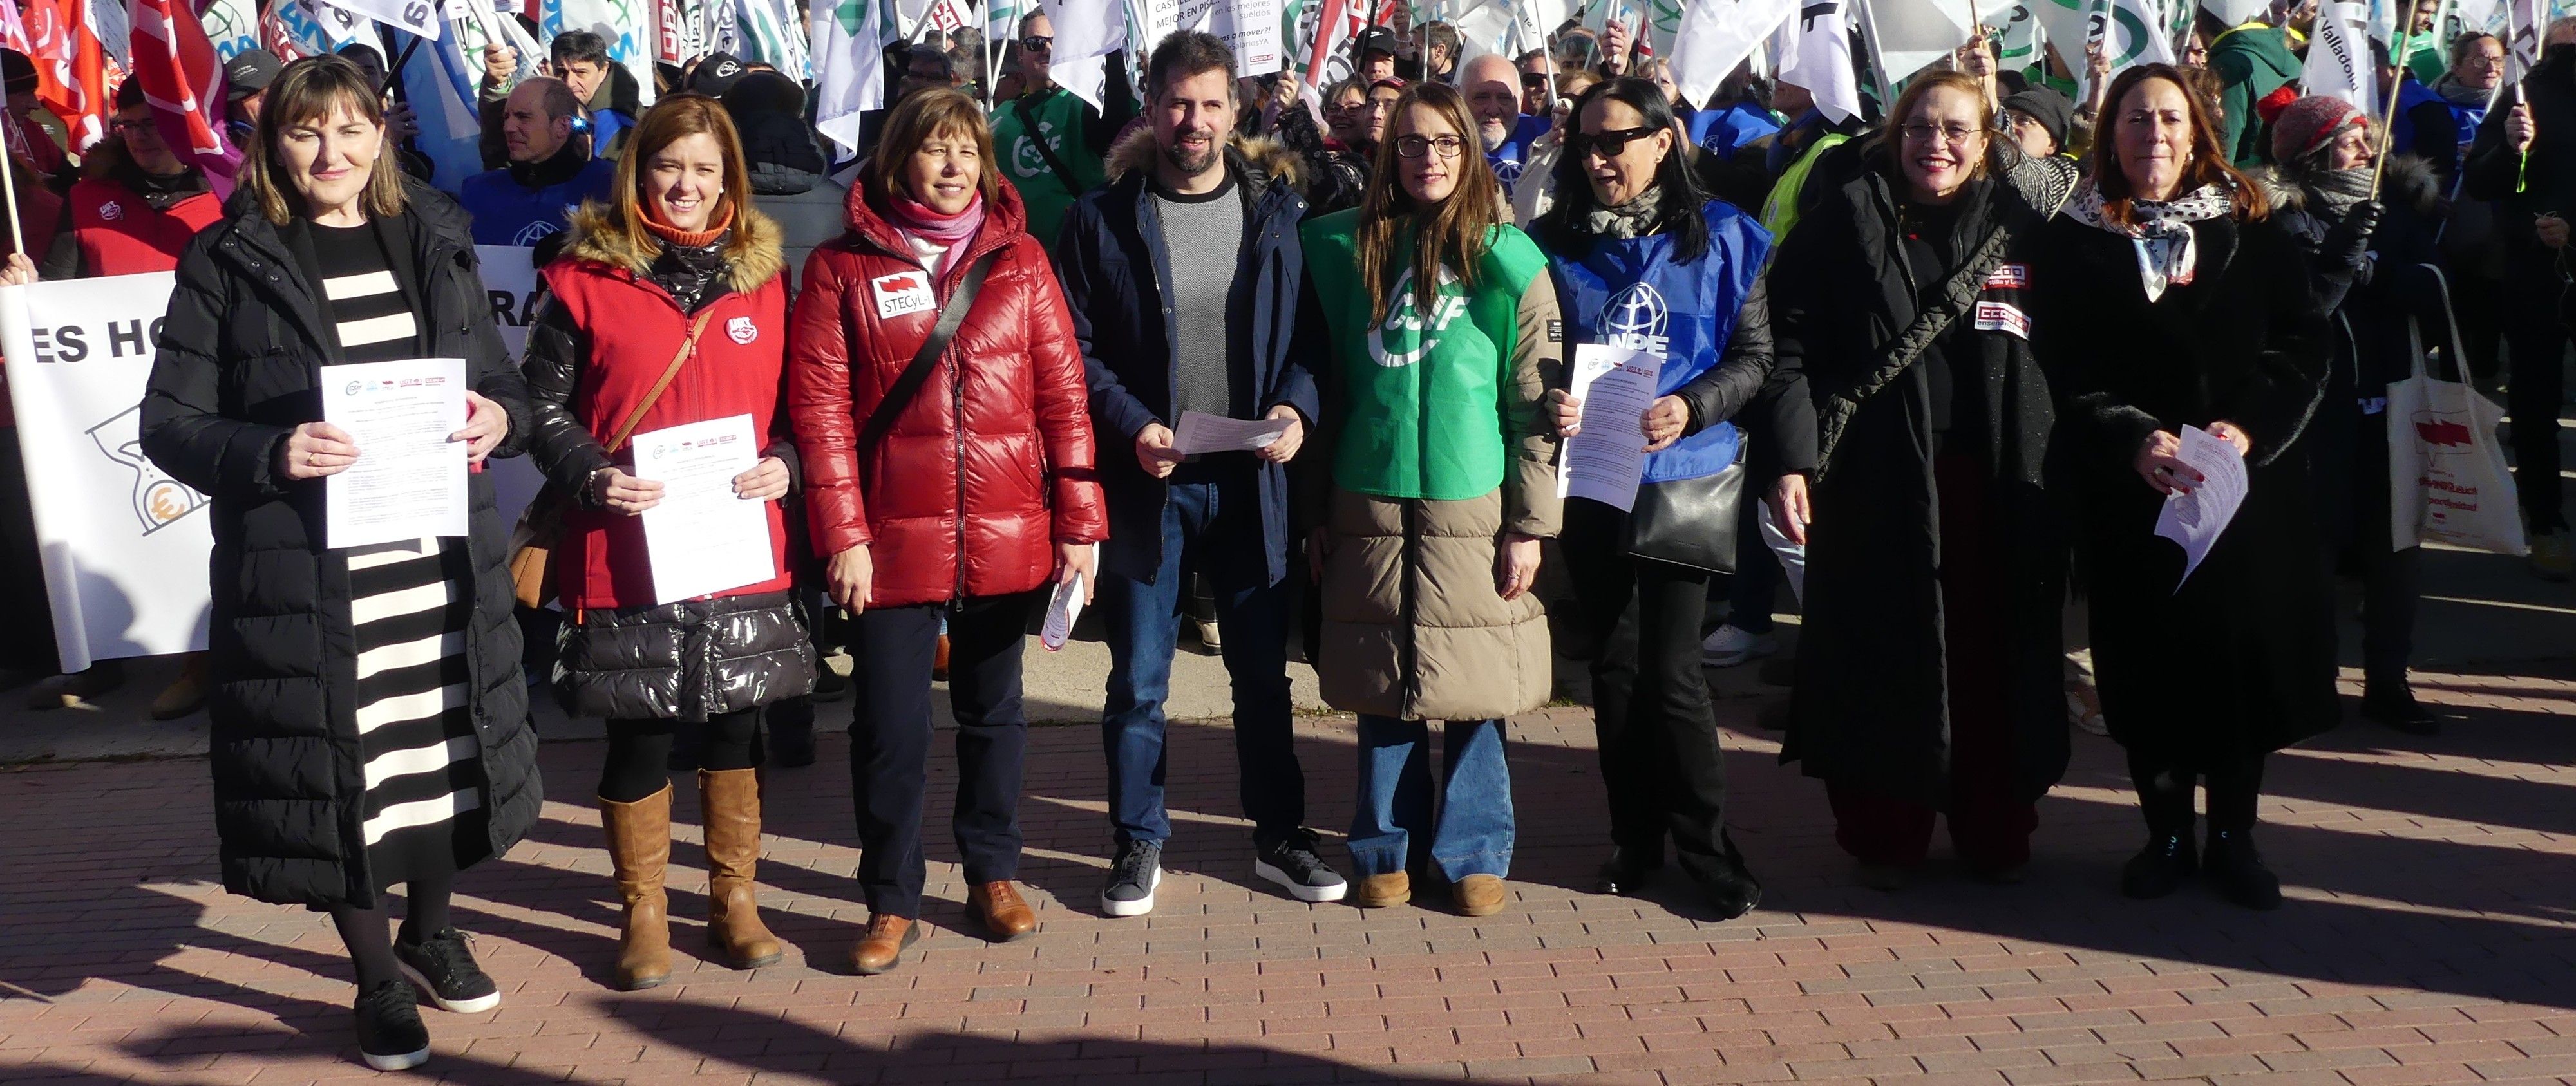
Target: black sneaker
point(1292, 863)
point(443, 969)
point(390, 1035)
point(2397, 708)
point(1132, 879)
point(2159, 868)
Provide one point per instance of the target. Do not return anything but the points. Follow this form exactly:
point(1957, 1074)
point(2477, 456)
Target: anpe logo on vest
point(1637, 319)
point(1403, 322)
point(536, 230)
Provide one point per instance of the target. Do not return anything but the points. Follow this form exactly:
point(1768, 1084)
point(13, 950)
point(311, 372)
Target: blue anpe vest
point(1722, 132)
point(2401, 129)
point(1630, 291)
point(506, 214)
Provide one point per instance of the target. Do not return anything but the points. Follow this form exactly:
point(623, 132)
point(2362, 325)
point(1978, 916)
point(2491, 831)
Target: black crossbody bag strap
point(917, 372)
point(1063, 173)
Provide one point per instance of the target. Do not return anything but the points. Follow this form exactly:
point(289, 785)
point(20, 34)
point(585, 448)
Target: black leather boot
point(1627, 870)
point(2238, 872)
point(2159, 868)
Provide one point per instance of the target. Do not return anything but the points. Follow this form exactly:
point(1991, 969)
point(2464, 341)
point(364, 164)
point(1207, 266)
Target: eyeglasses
point(1954, 134)
point(121, 124)
point(1418, 146)
point(1607, 144)
point(1533, 81)
point(1037, 43)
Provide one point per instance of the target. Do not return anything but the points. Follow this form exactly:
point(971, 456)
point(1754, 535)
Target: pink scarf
point(919, 223)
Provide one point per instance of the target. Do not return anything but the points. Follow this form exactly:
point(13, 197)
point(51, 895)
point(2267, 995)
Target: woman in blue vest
point(1911, 420)
point(1645, 261)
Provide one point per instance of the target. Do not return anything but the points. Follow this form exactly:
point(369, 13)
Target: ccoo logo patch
point(741, 330)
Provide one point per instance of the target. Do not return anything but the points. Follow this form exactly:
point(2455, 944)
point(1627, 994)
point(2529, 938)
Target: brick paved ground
point(2431, 937)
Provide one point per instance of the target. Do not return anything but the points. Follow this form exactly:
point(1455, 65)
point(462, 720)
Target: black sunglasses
point(1533, 81)
point(1036, 43)
point(1606, 144)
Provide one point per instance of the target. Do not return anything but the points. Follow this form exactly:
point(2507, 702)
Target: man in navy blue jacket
point(1183, 276)
point(550, 172)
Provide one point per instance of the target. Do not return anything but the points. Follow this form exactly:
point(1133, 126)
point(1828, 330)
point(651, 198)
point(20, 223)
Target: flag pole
point(2388, 109)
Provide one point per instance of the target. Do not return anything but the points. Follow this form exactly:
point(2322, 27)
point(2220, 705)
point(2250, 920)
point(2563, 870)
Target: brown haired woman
point(2164, 300)
point(1443, 335)
point(668, 307)
point(961, 494)
point(369, 722)
point(1939, 564)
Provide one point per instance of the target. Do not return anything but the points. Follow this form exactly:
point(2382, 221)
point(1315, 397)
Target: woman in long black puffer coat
point(2164, 299)
point(370, 726)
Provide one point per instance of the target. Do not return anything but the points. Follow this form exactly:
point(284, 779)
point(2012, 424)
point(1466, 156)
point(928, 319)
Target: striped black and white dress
point(409, 604)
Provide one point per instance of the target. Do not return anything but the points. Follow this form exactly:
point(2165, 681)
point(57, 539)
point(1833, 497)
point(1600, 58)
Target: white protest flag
point(1536, 19)
point(2139, 34)
point(124, 546)
point(231, 25)
point(415, 16)
point(768, 32)
point(627, 25)
point(2236, 12)
point(1086, 32)
point(2339, 61)
point(1716, 35)
point(1484, 28)
point(1907, 36)
point(440, 81)
point(2020, 46)
point(849, 79)
point(339, 25)
point(2523, 20)
point(475, 24)
point(1814, 51)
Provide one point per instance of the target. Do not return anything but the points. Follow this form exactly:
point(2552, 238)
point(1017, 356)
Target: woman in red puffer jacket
point(979, 494)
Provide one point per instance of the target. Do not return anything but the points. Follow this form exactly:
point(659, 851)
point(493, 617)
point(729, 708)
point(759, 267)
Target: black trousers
point(891, 649)
point(2536, 335)
point(2164, 792)
point(639, 751)
point(1660, 757)
point(2390, 579)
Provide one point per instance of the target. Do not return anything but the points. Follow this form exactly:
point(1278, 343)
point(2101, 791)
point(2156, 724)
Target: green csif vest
point(1422, 414)
point(1056, 116)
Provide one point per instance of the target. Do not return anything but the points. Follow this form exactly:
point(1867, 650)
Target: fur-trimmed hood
point(1262, 156)
point(2409, 181)
point(752, 257)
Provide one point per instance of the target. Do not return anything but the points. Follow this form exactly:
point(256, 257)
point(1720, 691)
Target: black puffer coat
point(235, 375)
point(1851, 316)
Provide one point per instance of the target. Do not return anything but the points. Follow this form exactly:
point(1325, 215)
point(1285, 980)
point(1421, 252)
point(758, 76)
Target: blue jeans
point(1473, 833)
point(1217, 527)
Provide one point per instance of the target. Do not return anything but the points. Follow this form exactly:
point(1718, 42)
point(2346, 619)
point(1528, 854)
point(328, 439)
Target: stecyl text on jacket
point(236, 372)
point(2247, 342)
point(1851, 316)
point(992, 463)
point(1117, 283)
point(612, 317)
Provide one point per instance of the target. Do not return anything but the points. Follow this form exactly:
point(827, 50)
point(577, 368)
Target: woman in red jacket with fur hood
point(973, 491)
point(669, 306)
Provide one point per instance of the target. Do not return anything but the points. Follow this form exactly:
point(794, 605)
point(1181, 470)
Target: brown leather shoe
point(998, 905)
point(1478, 895)
point(639, 849)
point(1381, 891)
point(729, 804)
point(881, 949)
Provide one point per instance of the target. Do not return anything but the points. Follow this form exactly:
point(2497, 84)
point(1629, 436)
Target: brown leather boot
point(998, 905)
point(639, 848)
point(729, 804)
point(881, 948)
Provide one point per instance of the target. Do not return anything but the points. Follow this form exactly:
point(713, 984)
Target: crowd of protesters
point(1926, 369)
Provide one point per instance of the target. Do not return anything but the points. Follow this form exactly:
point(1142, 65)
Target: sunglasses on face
point(1418, 146)
point(1036, 43)
point(1606, 144)
point(1533, 82)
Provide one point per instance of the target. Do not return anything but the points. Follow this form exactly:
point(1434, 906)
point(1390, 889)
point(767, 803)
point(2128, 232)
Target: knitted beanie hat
point(2311, 123)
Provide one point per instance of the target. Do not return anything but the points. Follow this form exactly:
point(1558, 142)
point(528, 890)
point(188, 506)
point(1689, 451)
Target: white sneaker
point(1730, 646)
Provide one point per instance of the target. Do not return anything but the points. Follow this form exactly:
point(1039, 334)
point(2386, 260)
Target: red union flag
point(13, 31)
point(71, 68)
point(184, 84)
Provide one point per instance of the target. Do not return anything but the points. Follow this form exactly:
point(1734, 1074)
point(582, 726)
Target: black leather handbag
point(1690, 522)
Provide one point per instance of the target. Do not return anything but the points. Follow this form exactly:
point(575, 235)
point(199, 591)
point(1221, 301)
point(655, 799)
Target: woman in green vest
point(1426, 524)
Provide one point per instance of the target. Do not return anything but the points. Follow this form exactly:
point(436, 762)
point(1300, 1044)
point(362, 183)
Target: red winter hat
point(2310, 123)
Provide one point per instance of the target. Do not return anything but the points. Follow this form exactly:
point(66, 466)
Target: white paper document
point(1605, 460)
point(702, 537)
point(2195, 519)
point(1201, 433)
point(409, 479)
point(1065, 607)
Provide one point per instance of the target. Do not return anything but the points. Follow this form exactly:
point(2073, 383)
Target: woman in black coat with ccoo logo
point(2166, 299)
point(370, 727)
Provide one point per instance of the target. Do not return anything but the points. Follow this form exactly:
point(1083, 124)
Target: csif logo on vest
point(1025, 159)
point(1637, 319)
point(1401, 340)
